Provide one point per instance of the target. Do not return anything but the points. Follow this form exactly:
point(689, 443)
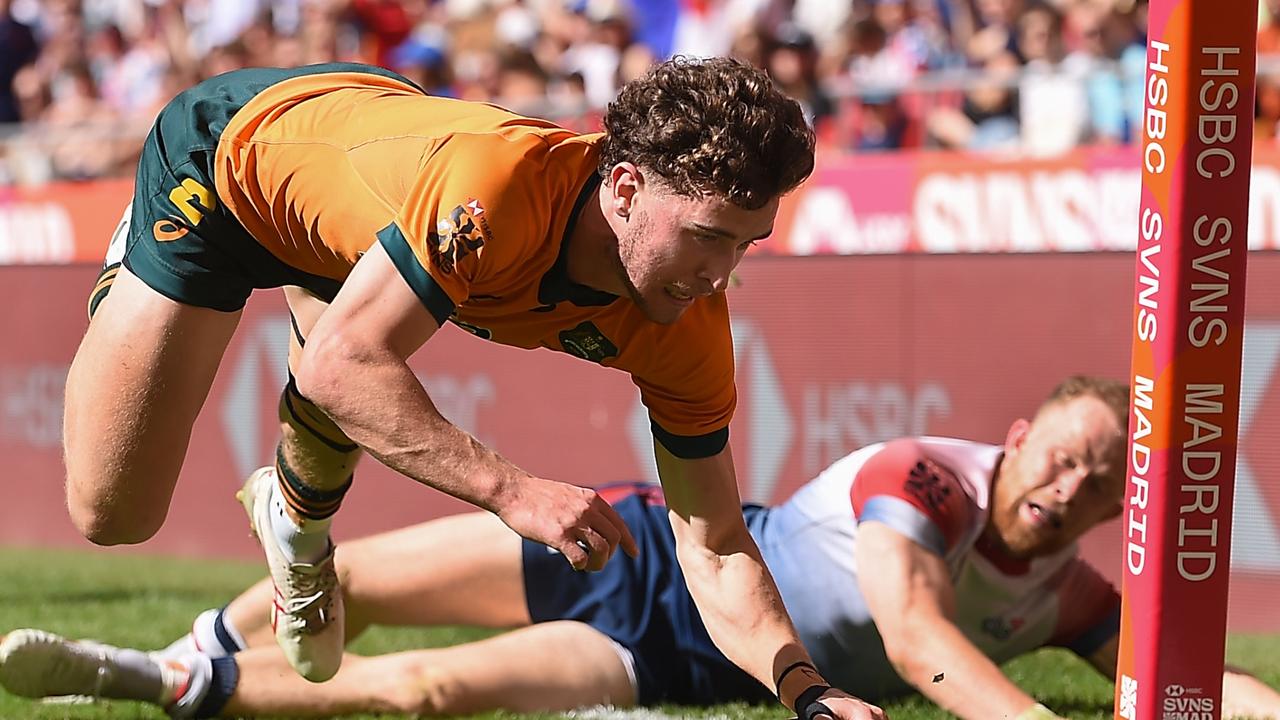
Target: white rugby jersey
point(935, 491)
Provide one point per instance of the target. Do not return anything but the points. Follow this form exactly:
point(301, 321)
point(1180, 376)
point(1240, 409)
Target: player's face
point(1062, 474)
point(675, 249)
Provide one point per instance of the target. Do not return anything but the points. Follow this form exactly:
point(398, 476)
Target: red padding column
point(1188, 334)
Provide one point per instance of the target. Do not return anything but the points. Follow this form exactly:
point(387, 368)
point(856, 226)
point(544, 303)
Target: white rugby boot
point(306, 611)
point(40, 664)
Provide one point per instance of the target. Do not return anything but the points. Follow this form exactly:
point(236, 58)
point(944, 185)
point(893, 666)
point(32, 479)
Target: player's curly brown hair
point(712, 126)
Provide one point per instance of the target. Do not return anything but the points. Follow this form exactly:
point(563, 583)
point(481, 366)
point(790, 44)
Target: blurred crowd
point(1035, 76)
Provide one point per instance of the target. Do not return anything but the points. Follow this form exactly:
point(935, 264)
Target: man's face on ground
point(1062, 474)
point(675, 249)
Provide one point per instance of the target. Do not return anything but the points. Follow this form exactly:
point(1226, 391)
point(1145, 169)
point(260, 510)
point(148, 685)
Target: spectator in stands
point(881, 123)
point(1266, 128)
point(140, 52)
point(792, 62)
point(1269, 28)
point(17, 48)
point(635, 62)
point(232, 56)
point(76, 106)
point(521, 83)
point(386, 24)
point(905, 41)
point(597, 55)
point(425, 63)
point(1053, 109)
point(1111, 60)
point(988, 116)
point(993, 30)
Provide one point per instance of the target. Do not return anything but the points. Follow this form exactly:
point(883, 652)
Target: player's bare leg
point(548, 667)
point(475, 578)
point(135, 387)
point(291, 505)
point(313, 450)
point(552, 666)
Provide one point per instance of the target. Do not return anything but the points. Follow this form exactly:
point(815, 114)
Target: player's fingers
point(577, 552)
point(598, 554)
point(601, 524)
point(865, 711)
point(625, 538)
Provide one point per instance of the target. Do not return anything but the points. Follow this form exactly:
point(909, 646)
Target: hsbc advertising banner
point(60, 222)
point(832, 354)
point(1084, 201)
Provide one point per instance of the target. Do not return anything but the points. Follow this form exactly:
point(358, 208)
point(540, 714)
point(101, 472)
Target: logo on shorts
point(194, 201)
point(587, 342)
point(168, 231)
point(460, 233)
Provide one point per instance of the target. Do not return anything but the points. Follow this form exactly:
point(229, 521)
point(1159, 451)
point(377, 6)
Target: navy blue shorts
point(644, 606)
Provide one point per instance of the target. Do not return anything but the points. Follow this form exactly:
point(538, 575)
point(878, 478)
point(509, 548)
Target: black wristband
point(777, 684)
point(808, 706)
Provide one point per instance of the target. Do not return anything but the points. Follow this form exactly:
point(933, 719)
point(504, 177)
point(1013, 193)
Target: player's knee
point(104, 525)
point(101, 529)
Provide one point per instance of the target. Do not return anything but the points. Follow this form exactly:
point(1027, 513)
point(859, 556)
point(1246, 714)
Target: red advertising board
point(60, 222)
point(1084, 201)
point(853, 205)
point(832, 353)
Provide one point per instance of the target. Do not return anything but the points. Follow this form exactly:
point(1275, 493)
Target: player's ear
point(625, 181)
point(1017, 435)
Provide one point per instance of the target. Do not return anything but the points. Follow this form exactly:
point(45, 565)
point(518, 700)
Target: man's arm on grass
point(909, 591)
point(1243, 695)
point(732, 588)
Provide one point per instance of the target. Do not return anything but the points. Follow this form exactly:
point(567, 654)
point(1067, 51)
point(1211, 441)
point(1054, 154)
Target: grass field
point(147, 602)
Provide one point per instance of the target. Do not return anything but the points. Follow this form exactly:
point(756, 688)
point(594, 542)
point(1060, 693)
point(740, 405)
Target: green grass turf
point(148, 601)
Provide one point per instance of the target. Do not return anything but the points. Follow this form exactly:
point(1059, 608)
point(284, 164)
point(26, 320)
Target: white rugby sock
point(177, 648)
point(306, 543)
point(201, 686)
point(192, 676)
point(214, 634)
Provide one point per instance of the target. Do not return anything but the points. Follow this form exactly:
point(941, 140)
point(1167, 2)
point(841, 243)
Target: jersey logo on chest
point(1002, 628)
point(587, 342)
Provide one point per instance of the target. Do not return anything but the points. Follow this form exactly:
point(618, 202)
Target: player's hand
point(843, 706)
point(574, 520)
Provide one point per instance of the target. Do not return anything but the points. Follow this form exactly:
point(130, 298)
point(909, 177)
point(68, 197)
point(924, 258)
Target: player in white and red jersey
point(934, 493)
point(919, 564)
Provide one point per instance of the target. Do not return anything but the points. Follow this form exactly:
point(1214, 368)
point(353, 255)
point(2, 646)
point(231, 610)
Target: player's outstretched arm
point(1243, 695)
point(912, 600)
point(354, 367)
point(733, 589)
